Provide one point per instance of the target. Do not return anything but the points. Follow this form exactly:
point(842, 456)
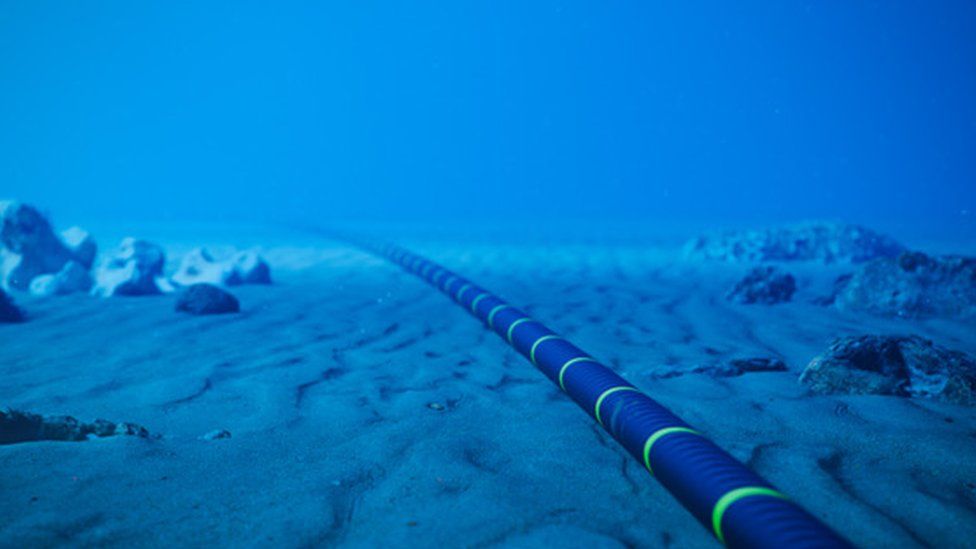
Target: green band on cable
point(570, 362)
point(607, 393)
point(491, 315)
point(452, 278)
point(728, 499)
point(477, 299)
point(536, 344)
point(658, 434)
point(460, 292)
point(511, 327)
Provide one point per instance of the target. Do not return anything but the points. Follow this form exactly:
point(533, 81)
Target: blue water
point(708, 113)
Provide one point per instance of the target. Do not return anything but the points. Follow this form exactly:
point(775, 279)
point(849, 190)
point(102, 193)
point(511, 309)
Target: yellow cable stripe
point(491, 315)
point(728, 499)
point(460, 292)
point(536, 344)
point(658, 434)
point(570, 362)
point(477, 299)
point(452, 278)
point(608, 392)
point(511, 327)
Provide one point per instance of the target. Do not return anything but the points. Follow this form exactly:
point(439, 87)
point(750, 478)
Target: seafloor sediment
point(365, 408)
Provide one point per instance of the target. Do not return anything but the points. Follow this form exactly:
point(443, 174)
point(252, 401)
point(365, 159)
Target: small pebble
point(216, 434)
point(435, 406)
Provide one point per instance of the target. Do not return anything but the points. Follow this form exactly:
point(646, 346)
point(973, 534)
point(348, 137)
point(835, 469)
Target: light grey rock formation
point(905, 366)
point(135, 269)
point(823, 242)
point(246, 267)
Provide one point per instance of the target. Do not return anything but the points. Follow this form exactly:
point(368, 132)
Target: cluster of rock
point(766, 285)
point(906, 366)
point(823, 242)
point(912, 285)
point(16, 426)
point(33, 258)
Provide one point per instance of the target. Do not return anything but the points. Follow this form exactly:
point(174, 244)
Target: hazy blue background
point(695, 112)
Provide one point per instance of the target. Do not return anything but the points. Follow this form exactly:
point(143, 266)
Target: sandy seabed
point(366, 409)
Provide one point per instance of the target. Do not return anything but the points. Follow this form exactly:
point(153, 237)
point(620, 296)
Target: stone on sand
point(206, 299)
point(731, 368)
point(823, 242)
point(17, 426)
point(135, 269)
point(913, 285)
point(73, 277)
point(766, 285)
point(30, 246)
point(246, 267)
point(905, 366)
point(81, 244)
point(9, 311)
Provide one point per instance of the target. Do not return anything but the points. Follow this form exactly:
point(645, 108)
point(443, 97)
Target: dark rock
point(206, 299)
point(73, 277)
point(913, 285)
point(9, 311)
point(824, 242)
point(249, 268)
point(18, 426)
point(765, 285)
point(731, 368)
point(905, 366)
point(135, 269)
point(217, 434)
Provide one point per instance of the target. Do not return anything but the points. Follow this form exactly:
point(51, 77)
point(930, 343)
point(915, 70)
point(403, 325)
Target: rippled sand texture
point(367, 409)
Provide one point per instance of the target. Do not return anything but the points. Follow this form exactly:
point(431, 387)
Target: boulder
point(823, 242)
point(913, 285)
point(206, 299)
point(17, 426)
point(246, 267)
point(766, 285)
point(9, 311)
point(135, 269)
point(30, 246)
point(73, 277)
point(905, 366)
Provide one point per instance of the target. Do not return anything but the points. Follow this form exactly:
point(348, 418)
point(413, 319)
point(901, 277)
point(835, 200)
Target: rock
point(249, 268)
point(217, 434)
point(73, 277)
point(824, 242)
point(135, 269)
point(30, 246)
point(913, 285)
point(206, 299)
point(765, 285)
point(245, 267)
point(905, 366)
point(81, 244)
point(731, 368)
point(16, 426)
point(9, 311)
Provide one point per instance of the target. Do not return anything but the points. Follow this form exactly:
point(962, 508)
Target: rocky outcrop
point(135, 269)
point(765, 285)
point(30, 246)
point(731, 368)
point(81, 244)
point(9, 311)
point(905, 366)
point(73, 277)
point(206, 299)
point(913, 285)
point(246, 267)
point(823, 242)
point(16, 426)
